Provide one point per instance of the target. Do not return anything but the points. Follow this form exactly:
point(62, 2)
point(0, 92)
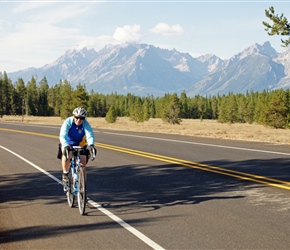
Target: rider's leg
point(65, 164)
point(65, 169)
point(84, 163)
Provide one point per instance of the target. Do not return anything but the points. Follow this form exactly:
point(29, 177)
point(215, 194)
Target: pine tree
point(6, 95)
point(250, 107)
point(111, 116)
point(193, 108)
point(214, 107)
point(222, 110)
point(21, 93)
point(136, 112)
point(146, 111)
point(261, 107)
point(55, 98)
point(241, 108)
point(66, 107)
point(14, 102)
point(280, 25)
point(32, 97)
point(172, 110)
point(92, 104)
point(200, 107)
point(232, 108)
point(277, 111)
point(43, 107)
point(183, 105)
point(152, 106)
point(80, 97)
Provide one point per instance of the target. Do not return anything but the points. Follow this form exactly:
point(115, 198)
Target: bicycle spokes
point(69, 192)
point(82, 192)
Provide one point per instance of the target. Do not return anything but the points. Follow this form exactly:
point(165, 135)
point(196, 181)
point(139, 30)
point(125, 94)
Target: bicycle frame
point(77, 183)
point(75, 164)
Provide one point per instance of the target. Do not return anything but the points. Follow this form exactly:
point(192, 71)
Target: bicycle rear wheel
point(70, 193)
point(82, 191)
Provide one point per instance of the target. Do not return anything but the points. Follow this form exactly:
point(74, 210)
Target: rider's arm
point(89, 133)
point(63, 135)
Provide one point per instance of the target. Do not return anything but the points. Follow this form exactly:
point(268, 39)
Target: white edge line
point(33, 165)
point(122, 223)
point(126, 226)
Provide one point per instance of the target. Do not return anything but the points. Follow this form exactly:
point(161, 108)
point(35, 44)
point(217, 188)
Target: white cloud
point(167, 30)
point(5, 26)
point(49, 13)
point(97, 43)
point(23, 7)
point(40, 31)
point(61, 14)
point(127, 33)
point(37, 33)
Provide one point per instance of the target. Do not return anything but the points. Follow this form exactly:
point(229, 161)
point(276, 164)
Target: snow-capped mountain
point(252, 69)
point(143, 69)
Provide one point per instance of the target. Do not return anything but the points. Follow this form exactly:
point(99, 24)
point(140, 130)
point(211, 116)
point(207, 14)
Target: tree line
point(271, 108)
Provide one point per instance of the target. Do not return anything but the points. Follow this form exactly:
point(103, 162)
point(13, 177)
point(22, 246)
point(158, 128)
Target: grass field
point(190, 127)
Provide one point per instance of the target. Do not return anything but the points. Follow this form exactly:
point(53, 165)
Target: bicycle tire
point(82, 191)
point(70, 193)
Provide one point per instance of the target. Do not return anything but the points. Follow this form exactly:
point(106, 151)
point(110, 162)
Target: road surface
point(146, 191)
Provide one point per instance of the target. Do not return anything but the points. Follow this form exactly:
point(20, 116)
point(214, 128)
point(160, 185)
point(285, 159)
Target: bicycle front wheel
point(70, 193)
point(82, 191)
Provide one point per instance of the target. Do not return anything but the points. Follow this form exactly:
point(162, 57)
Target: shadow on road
point(151, 188)
point(154, 187)
point(134, 188)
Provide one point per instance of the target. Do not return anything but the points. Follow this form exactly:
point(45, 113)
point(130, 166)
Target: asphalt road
point(146, 191)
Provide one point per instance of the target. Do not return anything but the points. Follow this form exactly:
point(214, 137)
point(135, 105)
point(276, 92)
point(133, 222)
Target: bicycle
point(77, 182)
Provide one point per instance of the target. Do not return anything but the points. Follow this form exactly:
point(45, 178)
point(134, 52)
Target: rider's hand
point(93, 152)
point(65, 152)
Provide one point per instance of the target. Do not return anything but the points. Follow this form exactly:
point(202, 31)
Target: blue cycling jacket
point(73, 135)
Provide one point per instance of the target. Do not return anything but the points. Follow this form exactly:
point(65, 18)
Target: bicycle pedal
point(65, 188)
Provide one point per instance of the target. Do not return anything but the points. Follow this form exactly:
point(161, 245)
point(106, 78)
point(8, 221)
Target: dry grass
point(189, 127)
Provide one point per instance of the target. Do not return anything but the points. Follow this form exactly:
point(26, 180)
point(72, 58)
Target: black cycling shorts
point(85, 152)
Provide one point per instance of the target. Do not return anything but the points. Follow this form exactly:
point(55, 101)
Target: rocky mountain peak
point(266, 49)
point(144, 69)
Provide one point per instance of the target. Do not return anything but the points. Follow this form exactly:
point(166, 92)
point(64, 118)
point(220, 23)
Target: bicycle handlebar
point(76, 148)
point(79, 148)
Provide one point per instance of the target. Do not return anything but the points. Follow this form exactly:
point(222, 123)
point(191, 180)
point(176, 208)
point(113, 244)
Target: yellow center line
point(233, 173)
point(195, 165)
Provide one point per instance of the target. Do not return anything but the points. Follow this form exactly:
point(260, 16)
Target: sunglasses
point(80, 118)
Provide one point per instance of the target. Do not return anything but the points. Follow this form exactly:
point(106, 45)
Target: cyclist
point(76, 131)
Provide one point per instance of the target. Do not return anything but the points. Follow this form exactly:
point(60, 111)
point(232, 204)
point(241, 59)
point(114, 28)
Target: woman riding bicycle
point(76, 131)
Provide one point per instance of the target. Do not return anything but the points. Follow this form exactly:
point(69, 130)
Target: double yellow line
point(195, 165)
point(214, 169)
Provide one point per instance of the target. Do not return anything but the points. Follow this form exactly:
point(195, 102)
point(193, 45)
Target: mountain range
point(143, 69)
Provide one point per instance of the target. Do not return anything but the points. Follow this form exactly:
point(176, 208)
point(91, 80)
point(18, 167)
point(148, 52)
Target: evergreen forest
point(269, 108)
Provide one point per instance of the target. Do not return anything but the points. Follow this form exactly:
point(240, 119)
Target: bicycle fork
point(75, 175)
point(75, 183)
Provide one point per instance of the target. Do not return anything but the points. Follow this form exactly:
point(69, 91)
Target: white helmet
point(80, 112)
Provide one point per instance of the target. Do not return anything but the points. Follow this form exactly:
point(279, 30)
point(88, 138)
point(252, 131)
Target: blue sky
point(35, 33)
